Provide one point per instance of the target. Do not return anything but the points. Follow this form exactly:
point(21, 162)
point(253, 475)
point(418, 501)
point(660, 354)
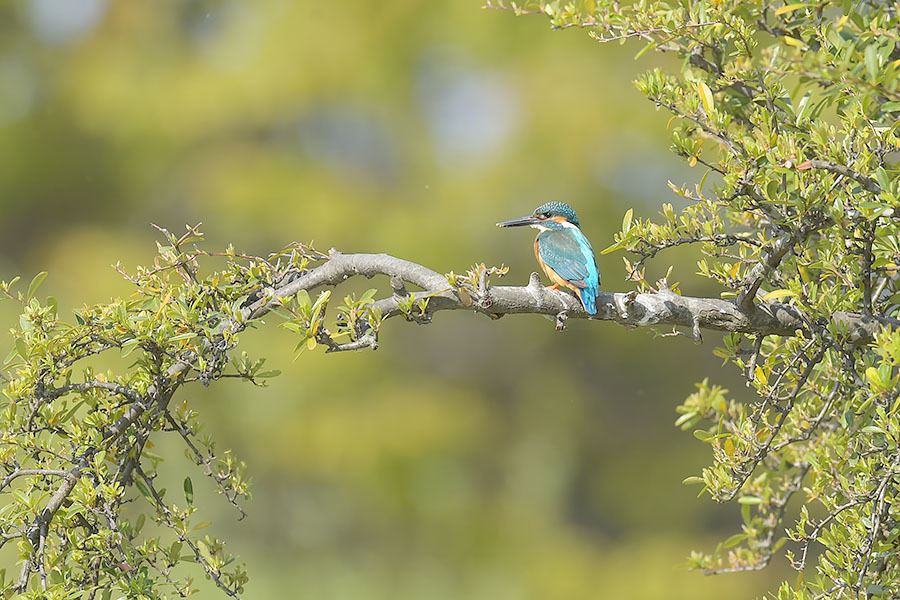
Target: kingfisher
point(563, 252)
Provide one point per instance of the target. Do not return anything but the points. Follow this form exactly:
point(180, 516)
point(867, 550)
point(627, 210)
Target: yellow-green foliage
point(793, 111)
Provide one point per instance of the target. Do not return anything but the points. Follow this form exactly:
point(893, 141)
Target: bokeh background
point(468, 459)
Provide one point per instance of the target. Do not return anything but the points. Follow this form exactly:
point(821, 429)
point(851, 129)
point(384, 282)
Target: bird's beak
point(519, 222)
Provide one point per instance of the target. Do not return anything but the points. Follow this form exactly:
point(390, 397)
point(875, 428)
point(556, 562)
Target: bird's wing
point(569, 254)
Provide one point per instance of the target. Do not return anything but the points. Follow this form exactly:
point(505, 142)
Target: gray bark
point(662, 308)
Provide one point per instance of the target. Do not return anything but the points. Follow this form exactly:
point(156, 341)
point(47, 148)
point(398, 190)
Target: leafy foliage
point(77, 436)
point(792, 110)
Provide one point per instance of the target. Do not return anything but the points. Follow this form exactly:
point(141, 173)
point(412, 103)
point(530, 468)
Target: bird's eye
point(545, 215)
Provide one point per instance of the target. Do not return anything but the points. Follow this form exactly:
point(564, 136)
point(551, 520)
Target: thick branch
point(664, 308)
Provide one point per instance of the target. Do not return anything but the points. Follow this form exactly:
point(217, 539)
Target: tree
point(799, 229)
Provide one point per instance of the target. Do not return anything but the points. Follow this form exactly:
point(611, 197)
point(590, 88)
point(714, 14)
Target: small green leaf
point(706, 97)
point(872, 429)
point(617, 246)
point(175, 551)
point(35, 284)
point(775, 294)
point(874, 377)
point(703, 435)
point(129, 346)
point(703, 181)
point(22, 348)
point(882, 178)
point(749, 500)
point(644, 50)
point(626, 220)
point(205, 553)
point(685, 418)
point(303, 299)
point(790, 7)
point(144, 491)
point(188, 490)
point(183, 336)
point(871, 57)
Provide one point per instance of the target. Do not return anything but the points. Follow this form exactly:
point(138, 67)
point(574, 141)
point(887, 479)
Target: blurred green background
point(466, 459)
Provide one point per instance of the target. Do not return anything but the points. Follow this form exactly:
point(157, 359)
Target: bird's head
point(551, 215)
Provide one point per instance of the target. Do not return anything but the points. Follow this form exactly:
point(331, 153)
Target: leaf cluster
point(792, 111)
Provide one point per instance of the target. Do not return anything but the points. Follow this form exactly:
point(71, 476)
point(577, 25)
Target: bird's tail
point(588, 297)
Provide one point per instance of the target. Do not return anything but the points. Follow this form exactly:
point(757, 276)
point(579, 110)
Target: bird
point(563, 251)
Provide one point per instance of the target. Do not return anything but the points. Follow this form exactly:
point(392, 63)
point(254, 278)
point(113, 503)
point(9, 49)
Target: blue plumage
point(563, 251)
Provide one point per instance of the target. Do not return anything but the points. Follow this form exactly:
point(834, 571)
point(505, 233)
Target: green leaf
point(790, 8)
point(22, 348)
point(626, 220)
point(775, 294)
point(703, 181)
point(144, 491)
point(188, 490)
point(617, 246)
point(882, 177)
point(129, 346)
point(874, 377)
point(205, 553)
point(11, 356)
point(303, 299)
point(35, 284)
point(872, 429)
point(645, 49)
point(706, 97)
point(703, 435)
point(183, 336)
point(685, 418)
point(871, 57)
point(174, 551)
point(749, 500)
